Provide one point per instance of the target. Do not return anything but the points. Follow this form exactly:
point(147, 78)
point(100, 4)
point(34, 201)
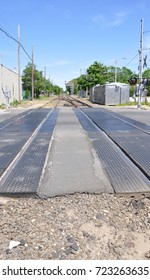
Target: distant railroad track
point(67, 100)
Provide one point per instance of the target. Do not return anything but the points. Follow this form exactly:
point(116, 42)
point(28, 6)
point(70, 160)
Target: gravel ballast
point(72, 227)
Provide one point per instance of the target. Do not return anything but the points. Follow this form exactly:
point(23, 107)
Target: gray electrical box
point(110, 94)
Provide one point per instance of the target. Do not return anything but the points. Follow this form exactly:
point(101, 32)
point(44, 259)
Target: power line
point(8, 35)
point(131, 60)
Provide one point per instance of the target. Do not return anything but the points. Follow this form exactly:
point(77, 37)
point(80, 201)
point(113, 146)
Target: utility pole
point(19, 90)
point(32, 74)
point(140, 64)
point(45, 79)
point(1, 75)
point(115, 71)
point(1, 59)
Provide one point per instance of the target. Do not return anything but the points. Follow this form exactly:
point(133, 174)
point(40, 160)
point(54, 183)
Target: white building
point(9, 85)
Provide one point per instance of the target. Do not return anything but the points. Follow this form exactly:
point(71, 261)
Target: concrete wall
point(9, 82)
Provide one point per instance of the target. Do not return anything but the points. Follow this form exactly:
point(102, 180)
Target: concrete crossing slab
point(72, 164)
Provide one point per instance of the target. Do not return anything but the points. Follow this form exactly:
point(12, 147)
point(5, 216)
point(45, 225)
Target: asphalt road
point(133, 113)
point(7, 114)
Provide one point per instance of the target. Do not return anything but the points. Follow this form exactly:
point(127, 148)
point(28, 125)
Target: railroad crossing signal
point(146, 82)
point(133, 81)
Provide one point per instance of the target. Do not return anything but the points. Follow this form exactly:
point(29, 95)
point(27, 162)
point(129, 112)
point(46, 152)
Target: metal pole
point(19, 91)
point(45, 80)
point(32, 75)
point(140, 66)
point(115, 71)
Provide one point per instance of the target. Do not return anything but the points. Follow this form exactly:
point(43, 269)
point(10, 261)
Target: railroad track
point(121, 144)
point(23, 149)
point(15, 132)
point(77, 103)
point(68, 101)
point(132, 139)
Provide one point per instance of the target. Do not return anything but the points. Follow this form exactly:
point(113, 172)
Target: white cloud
point(111, 20)
point(98, 19)
point(118, 19)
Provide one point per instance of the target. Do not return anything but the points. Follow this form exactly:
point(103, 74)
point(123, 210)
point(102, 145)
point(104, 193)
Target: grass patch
point(15, 103)
point(2, 106)
point(130, 103)
point(42, 97)
point(145, 103)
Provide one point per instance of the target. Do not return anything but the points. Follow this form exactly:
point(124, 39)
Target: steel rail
point(134, 158)
point(125, 120)
point(126, 177)
point(22, 115)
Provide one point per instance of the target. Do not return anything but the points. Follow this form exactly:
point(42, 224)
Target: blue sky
point(69, 35)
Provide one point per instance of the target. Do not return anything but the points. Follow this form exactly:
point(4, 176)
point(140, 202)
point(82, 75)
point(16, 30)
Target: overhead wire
point(11, 37)
point(131, 60)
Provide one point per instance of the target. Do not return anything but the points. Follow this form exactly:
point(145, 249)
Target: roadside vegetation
point(2, 106)
point(42, 86)
point(98, 73)
point(15, 103)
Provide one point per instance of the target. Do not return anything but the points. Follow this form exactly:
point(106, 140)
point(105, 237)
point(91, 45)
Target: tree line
point(97, 73)
point(41, 84)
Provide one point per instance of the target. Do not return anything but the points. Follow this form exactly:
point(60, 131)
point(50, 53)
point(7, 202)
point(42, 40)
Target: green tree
point(38, 82)
point(27, 79)
point(96, 74)
point(146, 74)
point(82, 82)
point(125, 75)
point(110, 74)
point(57, 90)
point(48, 87)
point(41, 85)
point(68, 89)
